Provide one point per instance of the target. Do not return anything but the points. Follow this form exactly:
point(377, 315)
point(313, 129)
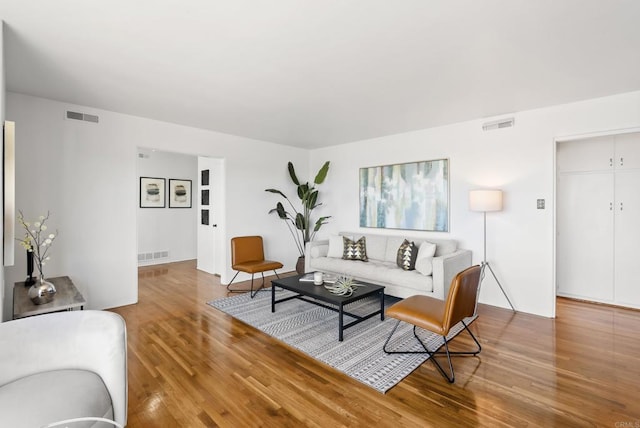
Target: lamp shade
point(485, 200)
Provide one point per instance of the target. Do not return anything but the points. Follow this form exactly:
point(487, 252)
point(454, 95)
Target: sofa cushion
point(406, 255)
point(53, 396)
point(393, 243)
point(355, 250)
point(445, 246)
point(336, 246)
point(424, 260)
point(319, 251)
point(376, 246)
point(376, 272)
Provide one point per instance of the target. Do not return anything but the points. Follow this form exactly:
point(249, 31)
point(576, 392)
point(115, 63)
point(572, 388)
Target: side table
point(67, 298)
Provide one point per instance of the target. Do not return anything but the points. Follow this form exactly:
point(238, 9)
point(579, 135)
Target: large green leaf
point(303, 191)
point(276, 191)
point(320, 222)
point(282, 213)
point(310, 203)
point(301, 224)
point(322, 174)
point(292, 174)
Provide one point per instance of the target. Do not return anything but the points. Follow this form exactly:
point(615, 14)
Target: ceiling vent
point(82, 116)
point(497, 124)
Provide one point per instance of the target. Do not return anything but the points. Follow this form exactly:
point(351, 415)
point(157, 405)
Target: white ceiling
point(313, 73)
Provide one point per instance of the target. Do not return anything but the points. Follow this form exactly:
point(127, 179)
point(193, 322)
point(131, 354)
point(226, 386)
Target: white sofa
point(63, 366)
point(381, 267)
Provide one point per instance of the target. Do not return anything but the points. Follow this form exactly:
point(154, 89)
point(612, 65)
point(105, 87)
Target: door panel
point(584, 241)
point(592, 154)
point(207, 233)
point(627, 238)
point(627, 155)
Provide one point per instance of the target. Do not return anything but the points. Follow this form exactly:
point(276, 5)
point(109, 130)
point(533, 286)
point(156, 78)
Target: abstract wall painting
point(152, 192)
point(179, 193)
point(412, 196)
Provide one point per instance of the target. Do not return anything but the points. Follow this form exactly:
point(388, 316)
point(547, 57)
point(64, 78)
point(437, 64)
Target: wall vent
point(82, 116)
point(145, 257)
point(498, 124)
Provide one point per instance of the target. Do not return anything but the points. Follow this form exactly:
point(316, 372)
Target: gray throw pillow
point(407, 255)
point(355, 250)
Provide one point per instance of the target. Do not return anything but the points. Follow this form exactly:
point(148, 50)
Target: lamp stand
point(485, 264)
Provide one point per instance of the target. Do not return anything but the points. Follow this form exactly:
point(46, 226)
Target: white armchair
point(63, 366)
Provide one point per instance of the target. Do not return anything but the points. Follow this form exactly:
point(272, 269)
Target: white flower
point(36, 241)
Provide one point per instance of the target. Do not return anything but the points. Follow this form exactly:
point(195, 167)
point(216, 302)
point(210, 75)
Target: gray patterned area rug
point(314, 330)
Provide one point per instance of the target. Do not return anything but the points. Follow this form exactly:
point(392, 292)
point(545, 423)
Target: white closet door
point(592, 154)
point(584, 242)
point(627, 238)
point(627, 154)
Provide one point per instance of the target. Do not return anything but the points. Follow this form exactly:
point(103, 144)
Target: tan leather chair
point(247, 255)
point(440, 316)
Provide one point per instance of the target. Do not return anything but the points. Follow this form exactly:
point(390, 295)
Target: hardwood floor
point(193, 366)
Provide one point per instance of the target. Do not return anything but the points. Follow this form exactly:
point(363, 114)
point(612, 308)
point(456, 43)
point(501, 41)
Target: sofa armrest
point(445, 269)
point(315, 249)
point(95, 341)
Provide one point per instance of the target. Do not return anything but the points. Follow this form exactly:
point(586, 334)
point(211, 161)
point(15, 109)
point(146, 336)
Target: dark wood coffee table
point(318, 295)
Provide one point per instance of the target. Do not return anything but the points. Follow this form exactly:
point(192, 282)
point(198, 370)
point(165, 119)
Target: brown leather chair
point(440, 316)
point(247, 255)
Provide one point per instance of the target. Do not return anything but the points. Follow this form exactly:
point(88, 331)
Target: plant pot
point(300, 265)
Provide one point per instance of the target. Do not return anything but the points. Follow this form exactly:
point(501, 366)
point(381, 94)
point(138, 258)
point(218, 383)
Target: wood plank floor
point(193, 366)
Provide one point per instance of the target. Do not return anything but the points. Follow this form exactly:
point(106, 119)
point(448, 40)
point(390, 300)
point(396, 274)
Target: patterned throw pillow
point(407, 254)
point(355, 250)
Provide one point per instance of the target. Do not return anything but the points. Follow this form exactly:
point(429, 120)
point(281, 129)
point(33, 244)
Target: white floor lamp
point(484, 201)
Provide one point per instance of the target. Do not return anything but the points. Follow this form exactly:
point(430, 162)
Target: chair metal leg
point(243, 291)
point(229, 285)
point(251, 291)
point(450, 377)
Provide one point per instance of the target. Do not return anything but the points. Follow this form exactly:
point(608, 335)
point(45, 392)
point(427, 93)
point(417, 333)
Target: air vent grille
point(82, 116)
point(145, 257)
point(498, 124)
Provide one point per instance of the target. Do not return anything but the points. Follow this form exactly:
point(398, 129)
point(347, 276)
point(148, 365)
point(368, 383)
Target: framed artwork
point(204, 216)
point(411, 196)
point(179, 193)
point(204, 197)
point(204, 177)
point(152, 192)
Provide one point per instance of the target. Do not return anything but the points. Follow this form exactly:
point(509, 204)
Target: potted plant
point(299, 221)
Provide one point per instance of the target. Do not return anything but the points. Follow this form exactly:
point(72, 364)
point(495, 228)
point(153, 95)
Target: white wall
point(168, 229)
point(519, 160)
point(2, 114)
point(86, 175)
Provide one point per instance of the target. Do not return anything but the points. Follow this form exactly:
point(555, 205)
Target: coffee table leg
point(273, 298)
point(340, 322)
point(382, 305)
